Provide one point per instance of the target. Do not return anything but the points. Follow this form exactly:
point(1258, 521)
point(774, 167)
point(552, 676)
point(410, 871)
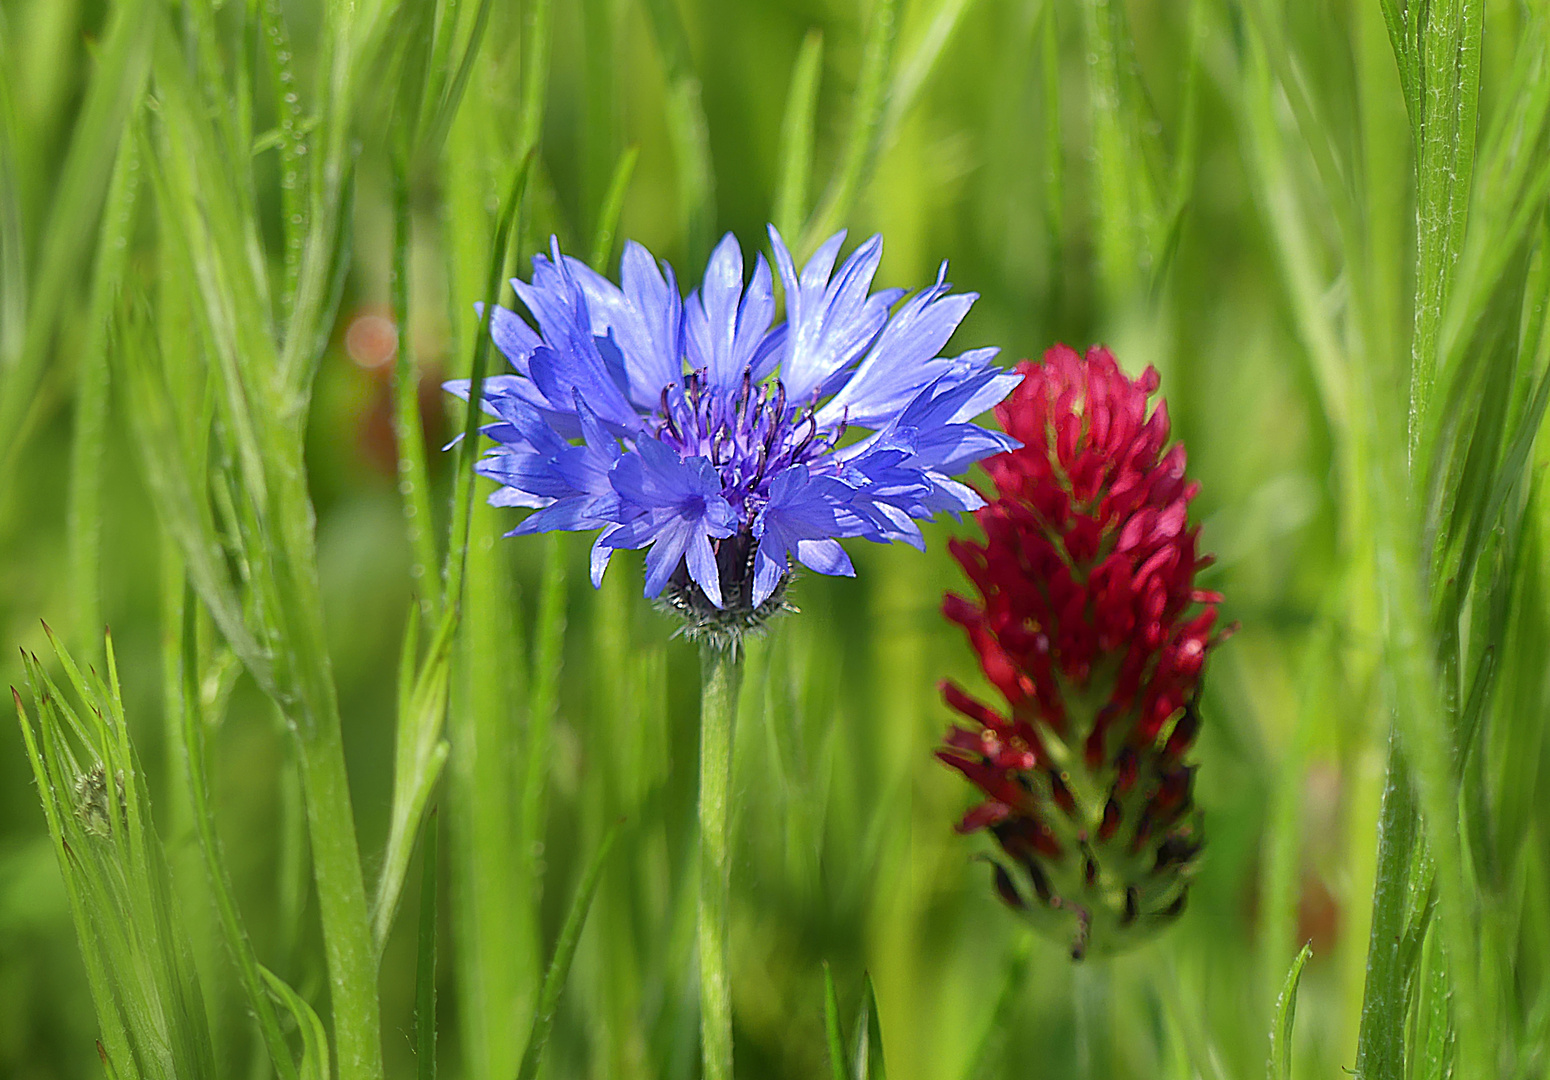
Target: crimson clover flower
point(713, 436)
point(1089, 624)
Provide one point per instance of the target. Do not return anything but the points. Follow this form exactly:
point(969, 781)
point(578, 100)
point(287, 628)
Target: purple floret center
point(749, 436)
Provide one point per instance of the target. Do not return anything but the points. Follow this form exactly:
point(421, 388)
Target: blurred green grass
point(1094, 171)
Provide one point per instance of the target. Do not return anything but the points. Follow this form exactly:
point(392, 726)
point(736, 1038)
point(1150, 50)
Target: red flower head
point(1090, 625)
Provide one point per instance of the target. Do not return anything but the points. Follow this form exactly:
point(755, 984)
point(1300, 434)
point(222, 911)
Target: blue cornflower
point(701, 432)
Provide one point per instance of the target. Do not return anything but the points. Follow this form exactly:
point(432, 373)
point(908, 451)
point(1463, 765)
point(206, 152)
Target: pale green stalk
point(720, 677)
point(687, 129)
point(413, 475)
point(796, 137)
point(89, 432)
point(864, 138)
point(1090, 990)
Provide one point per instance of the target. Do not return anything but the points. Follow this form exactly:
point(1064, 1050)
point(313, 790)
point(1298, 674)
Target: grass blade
point(687, 129)
point(463, 495)
point(866, 1056)
point(408, 427)
point(89, 431)
point(425, 968)
point(831, 1025)
point(314, 1037)
point(564, 953)
point(111, 96)
point(796, 137)
point(864, 138)
point(613, 206)
point(191, 756)
point(1280, 1066)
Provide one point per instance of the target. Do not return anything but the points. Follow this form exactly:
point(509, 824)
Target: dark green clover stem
point(721, 672)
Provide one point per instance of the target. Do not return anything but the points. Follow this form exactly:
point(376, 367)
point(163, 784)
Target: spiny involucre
point(709, 434)
point(1089, 624)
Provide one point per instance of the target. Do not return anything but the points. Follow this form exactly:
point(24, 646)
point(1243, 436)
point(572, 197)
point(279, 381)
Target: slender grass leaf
point(831, 1023)
point(425, 965)
point(13, 254)
point(408, 425)
point(463, 495)
point(292, 143)
point(89, 431)
point(191, 755)
point(866, 1048)
point(420, 755)
point(314, 1037)
point(859, 153)
point(535, 73)
point(687, 128)
point(916, 70)
point(989, 1052)
point(795, 170)
point(1280, 1066)
point(564, 954)
point(443, 105)
point(613, 206)
point(111, 96)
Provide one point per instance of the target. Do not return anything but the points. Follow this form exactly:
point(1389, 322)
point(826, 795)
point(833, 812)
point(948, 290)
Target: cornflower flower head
point(713, 436)
point(1089, 624)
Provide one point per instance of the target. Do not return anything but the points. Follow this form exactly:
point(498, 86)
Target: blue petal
point(831, 323)
point(600, 555)
point(701, 561)
point(575, 514)
point(903, 360)
point(825, 557)
point(666, 552)
point(724, 325)
point(512, 336)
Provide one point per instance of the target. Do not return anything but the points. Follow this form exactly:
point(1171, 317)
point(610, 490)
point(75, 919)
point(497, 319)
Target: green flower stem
point(721, 672)
point(1090, 1000)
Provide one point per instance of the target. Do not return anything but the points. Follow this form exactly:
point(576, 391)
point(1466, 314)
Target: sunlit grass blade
point(463, 494)
point(178, 503)
point(838, 1068)
point(687, 129)
point(408, 427)
point(542, 704)
point(291, 142)
point(613, 205)
point(866, 1047)
point(1280, 1065)
point(1126, 196)
point(796, 137)
point(425, 964)
point(148, 996)
point(191, 756)
point(988, 1056)
point(314, 1037)
point(420, 754)
point(916, 68)
point(440, 105)
point(560, 963)
point(89, 432)
point(13, 255)
point(858, 155)
point(111, 96)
